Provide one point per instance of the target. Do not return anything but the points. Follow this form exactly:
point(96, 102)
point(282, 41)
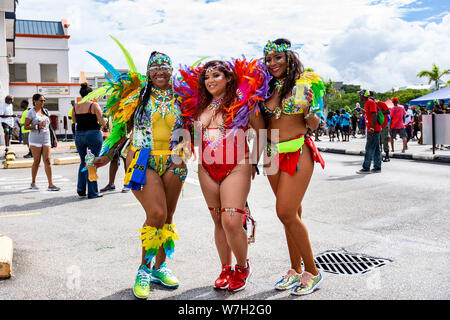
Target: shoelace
point(165, 271)
point(143, 277)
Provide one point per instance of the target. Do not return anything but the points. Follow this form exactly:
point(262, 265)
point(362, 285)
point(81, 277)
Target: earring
point(287, 69)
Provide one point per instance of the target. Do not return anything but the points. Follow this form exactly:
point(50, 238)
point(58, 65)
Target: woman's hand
point(41, 124)
point(309, 95)
point(101, 161)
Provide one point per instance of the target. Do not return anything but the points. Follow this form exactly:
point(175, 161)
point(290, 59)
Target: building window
point(18, 101)
point(48, 73)
point(18, 72)
point(51, 104)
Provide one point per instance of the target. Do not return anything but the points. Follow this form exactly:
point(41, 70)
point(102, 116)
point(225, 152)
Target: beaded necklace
point(163, 100)
point(279, 84)
point(215, 104)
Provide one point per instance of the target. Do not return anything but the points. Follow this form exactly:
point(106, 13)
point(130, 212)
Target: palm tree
point(434, 75)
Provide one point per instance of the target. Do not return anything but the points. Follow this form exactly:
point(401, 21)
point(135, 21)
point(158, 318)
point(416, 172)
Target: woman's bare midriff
point(288, 127)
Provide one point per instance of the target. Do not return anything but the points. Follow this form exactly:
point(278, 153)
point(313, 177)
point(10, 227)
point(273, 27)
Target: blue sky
point(426, 10)
point(377, 44)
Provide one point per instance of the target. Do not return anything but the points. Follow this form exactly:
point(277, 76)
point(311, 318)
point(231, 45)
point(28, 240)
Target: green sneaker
point(141, 288)
point(308, 283)
point(164, 276)
point(288, 281)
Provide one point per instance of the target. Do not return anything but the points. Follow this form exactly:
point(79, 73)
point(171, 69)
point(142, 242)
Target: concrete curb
point(66, 160)
point(6, 256)
point(16, 164)
point(408, 156)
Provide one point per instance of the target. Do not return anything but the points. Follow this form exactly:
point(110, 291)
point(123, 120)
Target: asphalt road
point(71, 248)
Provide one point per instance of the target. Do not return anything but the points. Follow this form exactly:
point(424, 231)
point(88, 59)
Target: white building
point(41, 65)
point(7, 19)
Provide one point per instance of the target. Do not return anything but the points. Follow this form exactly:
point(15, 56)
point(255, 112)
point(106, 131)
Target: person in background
point(38, 122)
point(398, 124)
point(71, 118)
point(25, 132)
point(409, 116)
point(337, 124)
point(416, 127)
point(362, 123)
point(114, 166)
point(373, 150)
point(330, 125)
point(7, 120)
point(384, 138)
point(354, 120)
point(345, 125)
point(88, 119)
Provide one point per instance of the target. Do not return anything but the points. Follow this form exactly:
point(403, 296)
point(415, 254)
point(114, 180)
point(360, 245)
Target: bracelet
point(110, 158)
point(309, 115)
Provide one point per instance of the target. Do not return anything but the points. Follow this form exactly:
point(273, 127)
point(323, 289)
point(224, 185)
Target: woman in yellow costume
point(291, 111)
point(148, 107)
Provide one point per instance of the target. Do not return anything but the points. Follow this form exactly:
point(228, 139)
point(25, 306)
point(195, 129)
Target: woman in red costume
point(289, 119)
point(225, 104)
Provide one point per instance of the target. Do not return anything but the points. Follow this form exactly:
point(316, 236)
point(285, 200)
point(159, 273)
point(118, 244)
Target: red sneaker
point(224, 278)
point(240, 278)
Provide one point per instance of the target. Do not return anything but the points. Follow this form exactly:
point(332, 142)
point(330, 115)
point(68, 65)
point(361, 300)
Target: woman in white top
point(38, 122)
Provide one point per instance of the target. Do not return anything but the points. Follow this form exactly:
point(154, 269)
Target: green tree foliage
point(405, 96)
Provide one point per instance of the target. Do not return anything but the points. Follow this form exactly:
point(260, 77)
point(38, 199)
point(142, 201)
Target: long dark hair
point(293, 71)
point(205, 97)
point(146, 92)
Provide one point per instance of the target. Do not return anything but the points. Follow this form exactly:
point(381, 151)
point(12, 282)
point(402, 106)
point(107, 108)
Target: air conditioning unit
point(10, 58)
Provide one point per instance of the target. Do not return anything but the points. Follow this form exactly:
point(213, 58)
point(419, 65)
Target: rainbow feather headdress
point(123, 90)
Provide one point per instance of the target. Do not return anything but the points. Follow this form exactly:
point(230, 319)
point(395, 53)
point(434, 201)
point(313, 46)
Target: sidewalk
point(356, 146)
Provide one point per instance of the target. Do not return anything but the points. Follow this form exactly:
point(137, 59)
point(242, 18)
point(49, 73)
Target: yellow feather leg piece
point(152, 237)
point(170, 231)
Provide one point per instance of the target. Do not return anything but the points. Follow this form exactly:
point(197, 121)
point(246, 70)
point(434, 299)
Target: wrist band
point(110, 158)
point(309, 115)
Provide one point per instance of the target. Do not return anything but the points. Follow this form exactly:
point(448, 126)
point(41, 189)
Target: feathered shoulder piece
point(252, 87)
point(316, 84)
point(123, 90)
point(186, 87)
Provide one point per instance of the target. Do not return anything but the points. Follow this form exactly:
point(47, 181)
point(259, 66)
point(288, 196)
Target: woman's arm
point(98, 113)
point(74, 115)
point(258, 124)
point(27, 124)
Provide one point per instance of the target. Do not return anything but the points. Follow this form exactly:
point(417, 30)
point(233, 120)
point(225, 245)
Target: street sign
point(53, 90)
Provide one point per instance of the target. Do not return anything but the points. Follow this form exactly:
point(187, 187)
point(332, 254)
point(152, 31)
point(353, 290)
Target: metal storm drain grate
point(343, 262)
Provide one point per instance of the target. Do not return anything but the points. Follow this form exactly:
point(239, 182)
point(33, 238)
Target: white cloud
point(369, 43)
